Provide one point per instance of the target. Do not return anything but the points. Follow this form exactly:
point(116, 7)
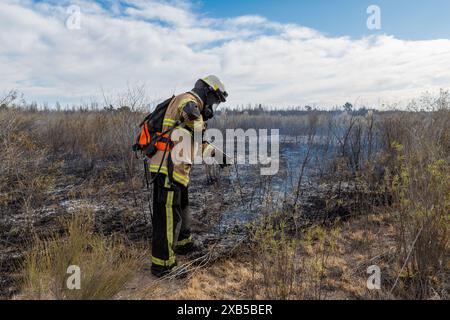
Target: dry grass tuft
point(106, 265)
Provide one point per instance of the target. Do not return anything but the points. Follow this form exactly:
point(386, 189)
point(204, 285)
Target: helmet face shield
point(219, 97)
point(223, 96)
point(217, 87)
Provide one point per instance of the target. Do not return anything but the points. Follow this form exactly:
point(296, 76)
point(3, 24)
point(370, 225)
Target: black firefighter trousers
point(171, 221)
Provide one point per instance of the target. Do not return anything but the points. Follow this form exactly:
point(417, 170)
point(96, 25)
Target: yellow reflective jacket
point(182, 134)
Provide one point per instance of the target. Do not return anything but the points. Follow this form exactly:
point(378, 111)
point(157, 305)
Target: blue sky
point(405, 19)
point(279, 53)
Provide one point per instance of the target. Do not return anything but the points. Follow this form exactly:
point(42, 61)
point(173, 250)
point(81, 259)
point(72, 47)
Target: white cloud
point(168, 46)
point(148, 10)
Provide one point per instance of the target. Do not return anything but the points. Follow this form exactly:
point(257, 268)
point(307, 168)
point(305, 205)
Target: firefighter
point(186, 115)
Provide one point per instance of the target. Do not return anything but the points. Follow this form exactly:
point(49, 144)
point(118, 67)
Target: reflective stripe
point(169, 122)
point(169, 224)
point(166, 182)
point(185, 241)
point(154, 168)
point(195, 125)
point(163, 263)
point(179, 178)
point(181, 181)
point(198, 124)
point(176, 176)
point(169, 234)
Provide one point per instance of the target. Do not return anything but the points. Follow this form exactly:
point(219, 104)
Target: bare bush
point(25, 175)
point(8, 99)
point(290, 267)
point(419, 181)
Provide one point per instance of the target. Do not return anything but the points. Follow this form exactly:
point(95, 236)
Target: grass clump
point(287, 267)
point(106, 265)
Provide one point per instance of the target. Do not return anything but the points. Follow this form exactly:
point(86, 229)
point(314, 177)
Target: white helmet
point(216, 85)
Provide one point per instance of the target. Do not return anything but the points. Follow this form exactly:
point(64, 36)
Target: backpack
point(151, 138)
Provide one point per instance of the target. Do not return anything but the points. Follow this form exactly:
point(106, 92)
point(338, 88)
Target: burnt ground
point(221, 209)
point(116, 209)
